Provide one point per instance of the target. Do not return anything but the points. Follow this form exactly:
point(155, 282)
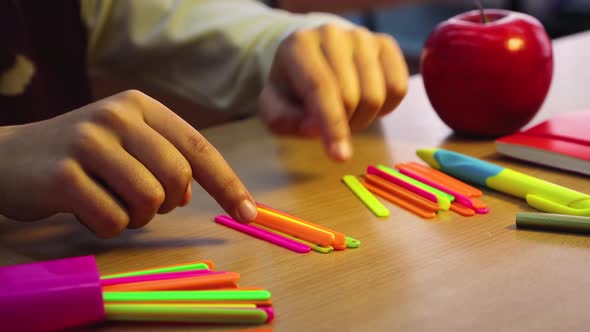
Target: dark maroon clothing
point(52, 36)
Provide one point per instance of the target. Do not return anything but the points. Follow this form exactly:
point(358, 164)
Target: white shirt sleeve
point(217, 53)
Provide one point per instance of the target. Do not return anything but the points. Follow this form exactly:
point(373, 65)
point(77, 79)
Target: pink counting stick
point(270, 313)
point(459, 198)
point(408, 186)
point(262, 234)
point(482, 211)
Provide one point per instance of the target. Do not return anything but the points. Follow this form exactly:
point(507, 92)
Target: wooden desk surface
point(453, 273)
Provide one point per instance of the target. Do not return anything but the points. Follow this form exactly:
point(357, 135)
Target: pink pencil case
point(52, 295)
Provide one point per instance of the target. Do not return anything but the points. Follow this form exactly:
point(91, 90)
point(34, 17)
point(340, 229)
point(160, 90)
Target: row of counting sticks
point(184, 293)
point(417, 188)
point(290, 232)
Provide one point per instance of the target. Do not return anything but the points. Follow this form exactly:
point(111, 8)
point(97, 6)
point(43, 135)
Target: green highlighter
point(540, 194)
point(553, 222)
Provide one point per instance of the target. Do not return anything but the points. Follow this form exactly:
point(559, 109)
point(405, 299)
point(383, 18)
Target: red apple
point(487, 79)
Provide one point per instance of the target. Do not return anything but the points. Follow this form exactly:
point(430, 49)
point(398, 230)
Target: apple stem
point(484, 17)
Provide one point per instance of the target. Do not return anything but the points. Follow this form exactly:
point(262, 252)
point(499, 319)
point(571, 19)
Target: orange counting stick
point(460, 188)
point(339, 242)
point(444, 179)
point(478, 204)
point(462, 209)
point(402, 193)
point(241, 288)
point(293, 227)
point(209, 281)
point(428, 174)
point(428, 214)
point(423, 172)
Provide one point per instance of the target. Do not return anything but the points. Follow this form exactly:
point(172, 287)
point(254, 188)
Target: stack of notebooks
point(563, 142)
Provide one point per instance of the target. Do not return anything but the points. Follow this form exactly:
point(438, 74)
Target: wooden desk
point(450, 274)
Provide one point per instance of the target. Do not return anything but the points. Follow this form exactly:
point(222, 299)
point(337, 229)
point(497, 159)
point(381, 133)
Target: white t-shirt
point(217, 53)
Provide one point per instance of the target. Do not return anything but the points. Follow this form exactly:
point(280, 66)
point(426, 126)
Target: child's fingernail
point(187, 196)
point(247, 211)
point(342, 150)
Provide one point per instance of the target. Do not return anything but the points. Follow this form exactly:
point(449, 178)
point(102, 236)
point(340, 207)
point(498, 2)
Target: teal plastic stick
point(553, 222)
point(170, 296)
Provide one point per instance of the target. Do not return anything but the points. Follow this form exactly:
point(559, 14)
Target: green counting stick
point(178, 268)
point(444, 199)
point(171, 296)
point(314, 247)
point(365, 196)
point(553, 222)
point(183, 314)
point(352, 242)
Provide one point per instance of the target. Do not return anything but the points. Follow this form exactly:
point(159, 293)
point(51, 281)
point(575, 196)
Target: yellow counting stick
point(314, 247)
point(365, 196)
point(184, 314)
point(352, 242)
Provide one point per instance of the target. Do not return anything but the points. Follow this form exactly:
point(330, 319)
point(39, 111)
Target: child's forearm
point(215, 53)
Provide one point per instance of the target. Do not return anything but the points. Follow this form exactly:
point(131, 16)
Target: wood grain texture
point(447, 274)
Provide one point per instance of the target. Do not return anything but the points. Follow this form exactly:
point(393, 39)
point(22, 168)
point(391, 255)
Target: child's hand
point(114, 164)
point(332, 80)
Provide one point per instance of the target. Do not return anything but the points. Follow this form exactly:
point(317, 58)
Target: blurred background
point(560, 17)
point(410, 22)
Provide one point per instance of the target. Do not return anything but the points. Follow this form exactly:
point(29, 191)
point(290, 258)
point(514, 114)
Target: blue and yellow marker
point(539, 194)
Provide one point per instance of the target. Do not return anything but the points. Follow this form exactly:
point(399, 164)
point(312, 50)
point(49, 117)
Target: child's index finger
point(209, 168)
